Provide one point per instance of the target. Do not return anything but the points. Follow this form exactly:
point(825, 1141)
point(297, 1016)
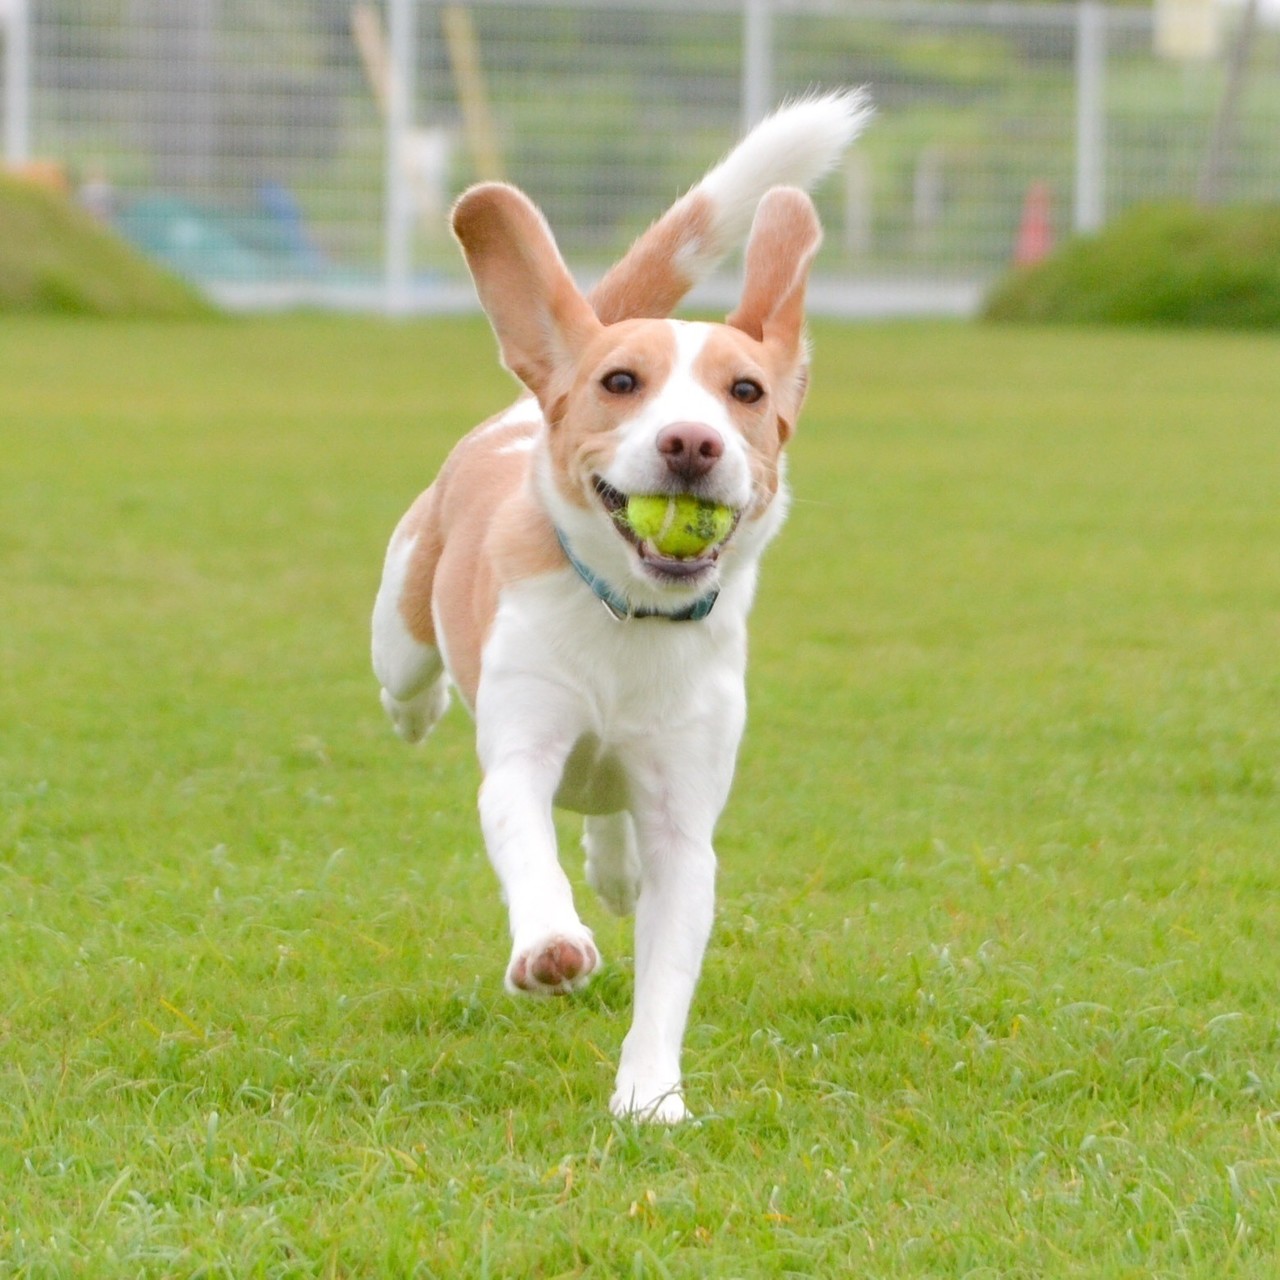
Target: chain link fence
point(286, 151)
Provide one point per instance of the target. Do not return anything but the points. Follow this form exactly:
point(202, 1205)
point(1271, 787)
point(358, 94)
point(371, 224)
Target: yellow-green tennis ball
point(681, 525)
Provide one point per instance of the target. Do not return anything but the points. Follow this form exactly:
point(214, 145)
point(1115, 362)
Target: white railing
point(15, 31)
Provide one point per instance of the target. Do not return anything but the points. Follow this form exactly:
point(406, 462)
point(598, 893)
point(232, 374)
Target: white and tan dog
point(606, 677)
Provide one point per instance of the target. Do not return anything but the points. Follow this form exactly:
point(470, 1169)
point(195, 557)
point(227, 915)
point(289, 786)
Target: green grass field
point(994, 986)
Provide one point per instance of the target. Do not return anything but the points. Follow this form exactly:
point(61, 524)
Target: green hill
point(1157, 265)
point(54, 257)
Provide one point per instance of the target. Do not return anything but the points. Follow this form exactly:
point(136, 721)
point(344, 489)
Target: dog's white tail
point(793, 147)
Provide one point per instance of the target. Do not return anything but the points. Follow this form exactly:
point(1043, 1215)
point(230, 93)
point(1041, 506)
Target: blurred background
point(286, 152)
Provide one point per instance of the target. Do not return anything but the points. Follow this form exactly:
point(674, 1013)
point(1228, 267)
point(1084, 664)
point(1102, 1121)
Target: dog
point(605, 676)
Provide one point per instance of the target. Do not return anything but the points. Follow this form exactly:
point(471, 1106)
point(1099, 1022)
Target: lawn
point(994, 985)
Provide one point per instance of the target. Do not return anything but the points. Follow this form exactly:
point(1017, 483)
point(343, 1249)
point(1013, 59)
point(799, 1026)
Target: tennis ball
point(678, 525)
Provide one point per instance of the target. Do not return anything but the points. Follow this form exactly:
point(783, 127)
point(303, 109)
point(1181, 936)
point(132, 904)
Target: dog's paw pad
point(554, 966)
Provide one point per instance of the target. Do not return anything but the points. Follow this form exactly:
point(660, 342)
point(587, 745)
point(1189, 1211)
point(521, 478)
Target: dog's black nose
point(690, 448)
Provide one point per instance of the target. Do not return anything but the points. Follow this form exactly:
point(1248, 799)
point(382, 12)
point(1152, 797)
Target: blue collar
point(620, 607)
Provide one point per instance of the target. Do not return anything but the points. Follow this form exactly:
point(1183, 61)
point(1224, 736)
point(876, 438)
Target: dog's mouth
point(665, 564)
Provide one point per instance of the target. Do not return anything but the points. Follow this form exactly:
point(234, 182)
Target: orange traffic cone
point(1035, 231)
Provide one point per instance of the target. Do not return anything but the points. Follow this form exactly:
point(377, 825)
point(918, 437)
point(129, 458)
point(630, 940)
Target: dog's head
point(650, 406)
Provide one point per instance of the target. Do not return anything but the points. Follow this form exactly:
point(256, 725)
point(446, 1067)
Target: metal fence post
point(398, 212)
point(17, 82)
point(757, 61)
point(1210, 184)
point(1091, 58)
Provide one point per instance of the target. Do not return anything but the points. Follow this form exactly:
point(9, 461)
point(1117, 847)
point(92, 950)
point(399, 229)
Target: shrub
point(1168, 264)
point(55, 258)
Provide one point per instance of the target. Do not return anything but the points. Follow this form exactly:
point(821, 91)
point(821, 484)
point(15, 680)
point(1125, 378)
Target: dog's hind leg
point(406, 658)
point(613, 865)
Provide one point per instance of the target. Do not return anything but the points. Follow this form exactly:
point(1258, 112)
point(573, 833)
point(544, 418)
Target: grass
point(55, 258)
point(993, 986)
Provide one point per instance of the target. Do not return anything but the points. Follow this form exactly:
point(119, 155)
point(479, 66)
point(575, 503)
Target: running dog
point(606, 676)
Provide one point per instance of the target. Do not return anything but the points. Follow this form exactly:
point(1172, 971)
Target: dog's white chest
point(631, 689)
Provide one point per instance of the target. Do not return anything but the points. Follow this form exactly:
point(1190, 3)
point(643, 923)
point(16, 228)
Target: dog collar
point(620, 608)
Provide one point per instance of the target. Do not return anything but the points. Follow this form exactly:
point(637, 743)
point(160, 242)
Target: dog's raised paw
point(415, 717)
point(554, 965)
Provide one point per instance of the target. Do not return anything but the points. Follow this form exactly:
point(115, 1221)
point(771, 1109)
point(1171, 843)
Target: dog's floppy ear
point(784, 239)
point(540, 318)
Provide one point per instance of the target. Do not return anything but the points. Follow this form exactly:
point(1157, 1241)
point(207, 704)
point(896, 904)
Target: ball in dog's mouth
point(676, 535)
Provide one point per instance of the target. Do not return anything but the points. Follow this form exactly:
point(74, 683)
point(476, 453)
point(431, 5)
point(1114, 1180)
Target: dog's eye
point(621, 382)
point(746, 391)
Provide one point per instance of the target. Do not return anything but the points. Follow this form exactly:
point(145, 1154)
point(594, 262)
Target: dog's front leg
point(676, 808)
point(525, 731)
point(673, 921)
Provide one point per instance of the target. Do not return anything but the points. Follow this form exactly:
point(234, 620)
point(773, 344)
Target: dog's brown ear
point(784, 239)
point(540, 318)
